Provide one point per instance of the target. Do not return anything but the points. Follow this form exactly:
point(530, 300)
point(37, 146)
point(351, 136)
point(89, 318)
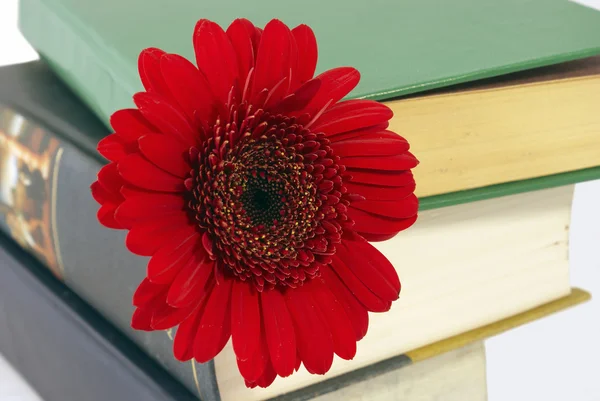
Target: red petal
point(147, 291)
point(378, 237)
point(130, 124)
point(111, 181)
point(342, 332)
point(294, 82)
point(256, 40)
point(188, 286)
point(370, 146)
point(189, 88)
point(371, 301)
point(400, 162)
point(141, 208)
point(150, 74)
point(276, 94)
point(167, 153)
point(268, 376)
point(402, 208)
point(352, 115)
point(378, 193)
point(245, 320)
point(279, 331)
point(107, 190)
point(298, 362)
point(357, 313)
point(140, 172)
point(173, 255)
point(112, 147)
point(252, 368)
point(371, 268)
point(306, 44)
point(299, 99)
point(383, 178)
point(379, 129)
point(374, 224)
point(313, 337)
point(131, 191)
point(215, 58)
point(106, 216)
point(207, 243)
point(101, 195)
point(168, 119)
point(147, 237)
point(215, 324)
point(141, 318)
point(183, 344)
point(357, 244)
point(335, 84)
point(273, 60)
point(167, 317)
point(240, 34)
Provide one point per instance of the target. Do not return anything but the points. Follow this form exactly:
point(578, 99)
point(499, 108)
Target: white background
point(554, 359)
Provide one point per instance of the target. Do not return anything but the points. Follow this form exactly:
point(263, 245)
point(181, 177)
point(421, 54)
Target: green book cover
point(400, 47)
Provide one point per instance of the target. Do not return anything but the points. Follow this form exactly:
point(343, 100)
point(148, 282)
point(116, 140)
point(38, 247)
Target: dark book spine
point(46, 167)
point(65, 349)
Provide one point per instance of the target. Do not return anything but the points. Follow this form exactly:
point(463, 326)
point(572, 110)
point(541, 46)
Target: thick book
point(65, 349)
point(519, 126)
point(486, 134)
point(399, 47)
point(54, 219)
point(43, 323)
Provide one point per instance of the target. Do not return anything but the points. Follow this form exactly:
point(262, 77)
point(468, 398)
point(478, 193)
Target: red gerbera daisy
point(255, 189)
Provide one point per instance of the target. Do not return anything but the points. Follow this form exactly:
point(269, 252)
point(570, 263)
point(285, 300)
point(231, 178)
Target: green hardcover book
point(399, 47)
point(468, 148)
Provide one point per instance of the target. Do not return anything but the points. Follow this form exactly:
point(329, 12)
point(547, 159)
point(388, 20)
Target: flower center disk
point(270, 195)
point(263, 200)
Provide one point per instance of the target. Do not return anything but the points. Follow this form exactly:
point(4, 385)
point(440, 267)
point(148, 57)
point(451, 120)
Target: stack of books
point(498, 100)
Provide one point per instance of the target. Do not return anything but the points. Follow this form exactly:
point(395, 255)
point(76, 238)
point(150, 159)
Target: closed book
point(44, 324)
point(511, 244)
point(63, 348)
point(399, 47)
point(483, 135)
point(519, 126)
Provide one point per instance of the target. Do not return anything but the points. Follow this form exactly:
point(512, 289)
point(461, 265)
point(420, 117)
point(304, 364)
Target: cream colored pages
point(477, 138)
point(461, 267)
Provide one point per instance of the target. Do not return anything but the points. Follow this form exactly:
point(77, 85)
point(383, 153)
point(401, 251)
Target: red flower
point(255, 189)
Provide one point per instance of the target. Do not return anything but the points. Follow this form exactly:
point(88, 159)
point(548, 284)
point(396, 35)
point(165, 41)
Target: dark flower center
point(263, 200)
point(270, 194)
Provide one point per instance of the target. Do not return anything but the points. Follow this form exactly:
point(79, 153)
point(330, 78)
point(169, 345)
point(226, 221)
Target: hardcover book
point(519, 126)
point(399, 47)
point(508, 129)
point(93, 261)
point(65, 349)
point(45, 324)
